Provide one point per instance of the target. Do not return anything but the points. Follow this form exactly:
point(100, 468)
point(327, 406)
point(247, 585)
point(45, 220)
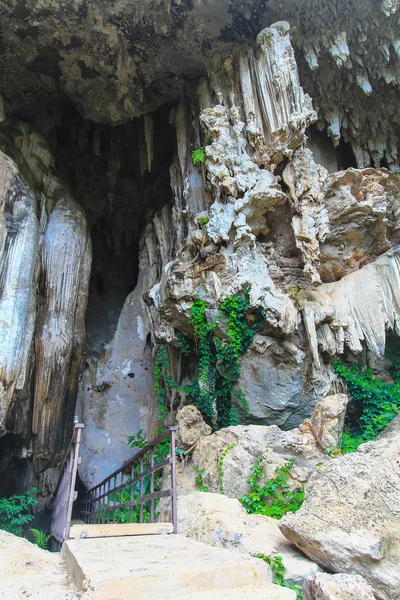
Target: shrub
point(380, 402)
point(15, 511)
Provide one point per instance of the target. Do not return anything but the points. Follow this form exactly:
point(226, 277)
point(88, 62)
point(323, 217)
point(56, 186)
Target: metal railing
point(129, 495)
point(65, 493)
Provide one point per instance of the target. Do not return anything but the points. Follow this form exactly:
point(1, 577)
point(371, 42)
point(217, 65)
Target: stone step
point(157, 567)
point(81, 530)
point(261, 591)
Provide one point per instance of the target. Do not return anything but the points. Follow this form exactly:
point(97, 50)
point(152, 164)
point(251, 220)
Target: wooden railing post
point(173, 481)
point(65, 494)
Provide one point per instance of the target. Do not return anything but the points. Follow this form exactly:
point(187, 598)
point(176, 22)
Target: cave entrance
point(120, 175)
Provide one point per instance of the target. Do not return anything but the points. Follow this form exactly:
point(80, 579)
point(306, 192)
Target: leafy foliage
point(40, 538)
point(278, 573)
point(203, 221)
point(275, 497)
point(15, 511)
point(380, 402)
point(198, 156)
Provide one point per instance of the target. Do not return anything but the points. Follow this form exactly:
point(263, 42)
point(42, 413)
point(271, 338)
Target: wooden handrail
point(102, 502)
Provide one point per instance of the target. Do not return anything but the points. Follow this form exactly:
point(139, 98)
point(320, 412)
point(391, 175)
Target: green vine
point(199, 478)
point(221, 466)
point(278, 573)
point(198, 156)
point(218, 361)
point(275, 497)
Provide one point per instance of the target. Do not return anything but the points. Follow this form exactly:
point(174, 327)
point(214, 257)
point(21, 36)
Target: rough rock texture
point(322, 586)
point(45, 271)
point(19, 237)
point(328, 420)
point(116, 398)
point(249, 441)
point(349, 521)
point(268, 209)
point(275, 380)
point(191, 426)
point(116, 61)
point(358, 308)
point(221, 521)
point(26, 571)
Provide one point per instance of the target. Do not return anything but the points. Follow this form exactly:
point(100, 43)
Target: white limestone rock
point(349, 521)
point(220, 521)
point(328, 420)
point(247, 443)
point(322, 586)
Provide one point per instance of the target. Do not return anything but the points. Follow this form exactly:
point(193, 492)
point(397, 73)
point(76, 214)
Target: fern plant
point(40, 538)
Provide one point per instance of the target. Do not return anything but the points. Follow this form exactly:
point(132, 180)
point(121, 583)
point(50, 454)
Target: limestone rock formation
point(19, 238)
point(322, 586)
point(247, 443)
point(45, 268)
point(328, 420)
point(349, 521)
point(221, 521)
point(291, 110)
point(358, 308)
point(191, 426)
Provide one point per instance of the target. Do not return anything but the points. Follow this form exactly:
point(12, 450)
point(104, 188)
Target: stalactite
point(60, 331)
point(19, 237)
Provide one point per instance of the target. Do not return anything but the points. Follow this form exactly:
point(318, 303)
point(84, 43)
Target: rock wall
point(45, 264)
point(296, 199)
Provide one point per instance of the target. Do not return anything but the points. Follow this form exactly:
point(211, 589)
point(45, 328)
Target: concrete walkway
point(164, 567)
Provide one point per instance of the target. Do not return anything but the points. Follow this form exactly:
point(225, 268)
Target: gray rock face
point(45, 269)
point(349, 521)
point(19, 238)
point(274, 379)
point(116, 398)
point(322, 586)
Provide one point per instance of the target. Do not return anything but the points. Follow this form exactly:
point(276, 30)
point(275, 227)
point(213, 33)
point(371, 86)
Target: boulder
point(221, 521)
point(342, 586)
point(247, 443)
point(191, 426)
point(328, 420)
point(29, 572)
point(349, 521)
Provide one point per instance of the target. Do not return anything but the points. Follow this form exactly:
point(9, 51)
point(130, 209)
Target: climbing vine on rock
point(218, 358)
point(278, 572)
point(221, 466)
point(275, 497)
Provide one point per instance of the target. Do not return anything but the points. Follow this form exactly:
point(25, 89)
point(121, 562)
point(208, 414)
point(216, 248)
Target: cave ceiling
point(117, 60)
